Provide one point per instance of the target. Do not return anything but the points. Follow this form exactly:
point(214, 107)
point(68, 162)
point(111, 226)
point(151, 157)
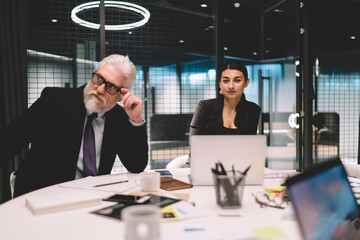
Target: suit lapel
point(77, 124)
point(217, 111)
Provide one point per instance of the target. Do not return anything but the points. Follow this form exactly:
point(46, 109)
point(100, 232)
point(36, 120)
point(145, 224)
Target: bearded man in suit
point(53, 128)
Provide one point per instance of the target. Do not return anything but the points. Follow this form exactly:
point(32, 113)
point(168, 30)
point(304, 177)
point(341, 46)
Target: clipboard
point(170, 184)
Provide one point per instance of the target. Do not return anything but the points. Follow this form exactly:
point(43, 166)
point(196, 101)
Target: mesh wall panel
point(338, 107)
point(172, 54)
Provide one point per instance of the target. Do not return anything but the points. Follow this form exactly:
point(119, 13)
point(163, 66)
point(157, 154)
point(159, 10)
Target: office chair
point(178, 162)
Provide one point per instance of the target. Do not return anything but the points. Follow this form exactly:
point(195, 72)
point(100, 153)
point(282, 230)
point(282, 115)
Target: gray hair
point(124, 65)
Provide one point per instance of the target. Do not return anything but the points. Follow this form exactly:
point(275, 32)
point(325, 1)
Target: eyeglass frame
point(107, 84)
point(270, 200)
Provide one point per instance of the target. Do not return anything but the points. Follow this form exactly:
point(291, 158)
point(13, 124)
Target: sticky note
point(275, 188)
point(169, 212)
point(269, 232)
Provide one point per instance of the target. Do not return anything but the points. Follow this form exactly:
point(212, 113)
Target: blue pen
point(193, 229)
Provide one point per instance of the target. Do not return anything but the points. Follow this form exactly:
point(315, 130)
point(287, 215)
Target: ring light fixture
point(115, 4)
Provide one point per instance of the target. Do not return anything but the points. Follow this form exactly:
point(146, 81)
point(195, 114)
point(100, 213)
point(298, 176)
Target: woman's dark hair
point(236, 65)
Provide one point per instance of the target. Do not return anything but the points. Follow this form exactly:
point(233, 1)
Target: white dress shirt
point(98, 126)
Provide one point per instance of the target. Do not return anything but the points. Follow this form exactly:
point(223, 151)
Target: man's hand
point(132, 105)
point(346, 231)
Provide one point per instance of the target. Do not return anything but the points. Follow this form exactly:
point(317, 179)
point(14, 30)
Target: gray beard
point(93, 104)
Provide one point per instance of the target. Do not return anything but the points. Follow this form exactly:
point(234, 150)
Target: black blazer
point(208, 119)
point(53, 127)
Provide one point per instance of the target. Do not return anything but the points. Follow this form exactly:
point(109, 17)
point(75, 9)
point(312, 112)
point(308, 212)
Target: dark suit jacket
point(208, 119)
point(53, 127)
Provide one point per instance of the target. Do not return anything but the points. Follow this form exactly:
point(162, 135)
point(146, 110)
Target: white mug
point(142, 222)
point(150, 181)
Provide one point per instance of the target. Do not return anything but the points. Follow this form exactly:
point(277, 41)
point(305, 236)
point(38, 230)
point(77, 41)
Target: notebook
point(323, 200)
point(240, 150)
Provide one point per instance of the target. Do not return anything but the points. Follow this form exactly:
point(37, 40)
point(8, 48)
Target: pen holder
point(229, 189)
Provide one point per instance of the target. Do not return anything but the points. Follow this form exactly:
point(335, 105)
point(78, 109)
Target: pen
point(193, 229)
point(223, 172)
point(143, 199)
point(234, 180)
point(229, 215)
point(246, 170)
point(105, 184)
point(229, 189)
point(217, 168)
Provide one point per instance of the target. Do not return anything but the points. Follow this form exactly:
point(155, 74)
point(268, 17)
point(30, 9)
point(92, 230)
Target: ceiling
point(333, 22)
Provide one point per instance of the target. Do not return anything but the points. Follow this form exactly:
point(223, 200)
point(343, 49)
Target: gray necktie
point(89, 152)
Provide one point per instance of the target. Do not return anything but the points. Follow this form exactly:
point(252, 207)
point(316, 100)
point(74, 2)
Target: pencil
point(105, 184)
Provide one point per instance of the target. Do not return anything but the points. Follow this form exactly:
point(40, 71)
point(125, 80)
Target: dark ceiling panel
point(335, 22)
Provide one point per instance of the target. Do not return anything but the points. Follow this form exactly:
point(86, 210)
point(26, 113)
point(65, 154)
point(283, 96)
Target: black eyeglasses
point(109, 87)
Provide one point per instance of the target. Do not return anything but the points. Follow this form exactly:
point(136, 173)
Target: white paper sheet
point(90, 183)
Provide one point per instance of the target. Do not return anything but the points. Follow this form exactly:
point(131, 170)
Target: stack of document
point(60, 201)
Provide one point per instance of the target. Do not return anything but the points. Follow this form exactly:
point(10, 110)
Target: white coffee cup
point(142, 222)
point(150, 181)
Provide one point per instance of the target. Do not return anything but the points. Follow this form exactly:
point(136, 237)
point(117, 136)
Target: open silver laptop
point(240, 150)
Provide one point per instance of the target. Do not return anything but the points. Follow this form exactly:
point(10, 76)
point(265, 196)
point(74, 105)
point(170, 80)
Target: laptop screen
point(322, 199)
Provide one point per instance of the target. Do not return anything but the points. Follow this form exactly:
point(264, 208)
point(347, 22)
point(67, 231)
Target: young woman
point(230, 112)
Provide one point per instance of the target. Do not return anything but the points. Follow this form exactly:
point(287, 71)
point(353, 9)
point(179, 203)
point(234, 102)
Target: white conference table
point(18, 222)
